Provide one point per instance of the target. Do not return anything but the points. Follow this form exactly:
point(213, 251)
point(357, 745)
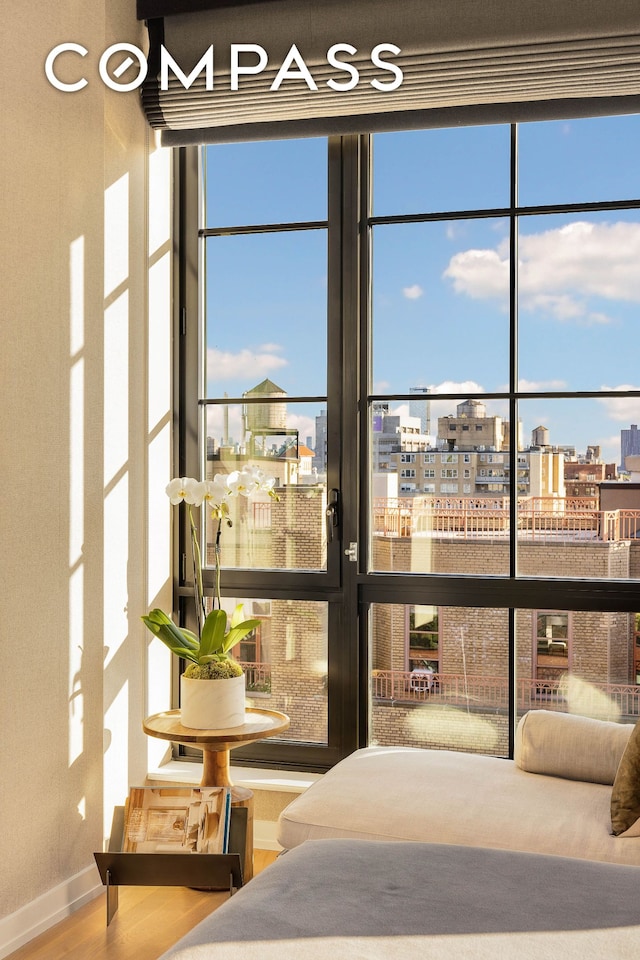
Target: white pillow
point(567, 745)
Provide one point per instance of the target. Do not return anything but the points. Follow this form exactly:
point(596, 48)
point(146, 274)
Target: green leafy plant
point(209, 654)
point(209, 650)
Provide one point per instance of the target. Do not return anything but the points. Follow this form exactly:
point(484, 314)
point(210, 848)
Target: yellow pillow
point(625, 795)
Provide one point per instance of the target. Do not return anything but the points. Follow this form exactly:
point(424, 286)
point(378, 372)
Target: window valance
point(472, 62)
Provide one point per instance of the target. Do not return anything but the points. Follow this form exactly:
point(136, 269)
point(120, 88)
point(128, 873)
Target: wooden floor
point(149, 921)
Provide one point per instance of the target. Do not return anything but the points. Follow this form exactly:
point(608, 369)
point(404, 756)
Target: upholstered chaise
point(554, 797)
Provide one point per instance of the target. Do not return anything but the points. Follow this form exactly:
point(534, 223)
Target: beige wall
point(85, 443)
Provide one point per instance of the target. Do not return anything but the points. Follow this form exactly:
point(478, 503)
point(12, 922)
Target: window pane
point(280, 439)
point(440, 486)
point(580, 662)
point(440, 306)
point(279, 181)
point(456, 695)
point(266, 312)
point(575, 516)
point(574, 161)
point(578, 294)
point(430, 171)
point(285, 662)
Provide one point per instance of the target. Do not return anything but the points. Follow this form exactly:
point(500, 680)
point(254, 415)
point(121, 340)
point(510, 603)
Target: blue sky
point(440, 294)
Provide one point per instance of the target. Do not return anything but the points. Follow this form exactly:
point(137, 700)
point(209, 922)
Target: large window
point(429, 339)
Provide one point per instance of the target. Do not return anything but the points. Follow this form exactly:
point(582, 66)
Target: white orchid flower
point(244, 482)
point(234, 483)
point(209, 493)
point(182, 488)
point(221, 487)
point(256, 480)
point(253, 477)
point(216, 492)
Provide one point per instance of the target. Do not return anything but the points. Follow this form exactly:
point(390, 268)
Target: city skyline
point(225, 428)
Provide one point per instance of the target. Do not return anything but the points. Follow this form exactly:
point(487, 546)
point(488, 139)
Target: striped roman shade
point(467, 61)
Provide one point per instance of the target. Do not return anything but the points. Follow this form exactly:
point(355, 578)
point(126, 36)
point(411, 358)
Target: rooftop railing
point(492, 693)
point(539, 518)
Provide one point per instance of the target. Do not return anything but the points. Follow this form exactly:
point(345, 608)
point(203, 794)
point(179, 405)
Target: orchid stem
point(217, 556)
point(197, 575)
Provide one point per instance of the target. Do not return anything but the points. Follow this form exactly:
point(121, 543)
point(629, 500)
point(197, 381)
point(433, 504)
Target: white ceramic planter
point(212, 704)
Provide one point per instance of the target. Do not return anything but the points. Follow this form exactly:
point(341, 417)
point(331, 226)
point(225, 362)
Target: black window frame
point(350, 157)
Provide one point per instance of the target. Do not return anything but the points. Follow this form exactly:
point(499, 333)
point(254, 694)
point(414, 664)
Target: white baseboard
point(48, 909)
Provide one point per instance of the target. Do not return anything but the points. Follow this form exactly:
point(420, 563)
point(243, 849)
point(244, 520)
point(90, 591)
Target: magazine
point(177, 820)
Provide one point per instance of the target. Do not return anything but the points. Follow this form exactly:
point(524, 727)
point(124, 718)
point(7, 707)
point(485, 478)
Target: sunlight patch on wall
point(159, 347)
point(116, 754)
point(76, 296)
point(116, 387)
point(76, 498)
point(160, 190)
point(76, 462)
point(159, 526)
point(159, 665)
point(116, 234)
point(76, 649)
point(116, 550)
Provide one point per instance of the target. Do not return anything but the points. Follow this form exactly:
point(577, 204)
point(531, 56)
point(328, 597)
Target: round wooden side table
point(216, 746)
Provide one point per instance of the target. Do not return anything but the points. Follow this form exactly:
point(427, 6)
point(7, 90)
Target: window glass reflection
point(285, 662)
point(288, 443)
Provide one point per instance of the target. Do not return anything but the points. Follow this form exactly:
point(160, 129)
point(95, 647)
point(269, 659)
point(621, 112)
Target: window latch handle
point(332, 513)
point(352, 552)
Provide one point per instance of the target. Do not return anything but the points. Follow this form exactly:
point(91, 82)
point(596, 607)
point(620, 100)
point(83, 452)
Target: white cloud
point(593, 319)
point(469, 387)
point(481, 274)
point(223, 365)
point(306, 426)
point(412, 293)
point(610, 447)
point(219, 417)
point(558, 270)
point(535, 386)
point(626, 409)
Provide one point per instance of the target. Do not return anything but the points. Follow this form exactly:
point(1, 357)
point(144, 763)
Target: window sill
point(254, 778)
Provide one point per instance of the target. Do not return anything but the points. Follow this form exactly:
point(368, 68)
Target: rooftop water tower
point(265, 417)
point(540, 437)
